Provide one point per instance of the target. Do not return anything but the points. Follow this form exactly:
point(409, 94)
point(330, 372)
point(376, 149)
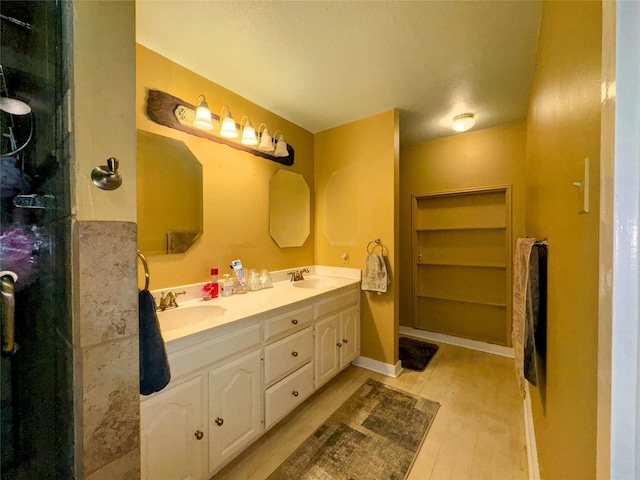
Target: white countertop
point(186, 321)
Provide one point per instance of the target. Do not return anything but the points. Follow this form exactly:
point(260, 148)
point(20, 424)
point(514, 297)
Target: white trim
point(624, 280)
point(530, 437)
point(459, 342)
point(378, 366)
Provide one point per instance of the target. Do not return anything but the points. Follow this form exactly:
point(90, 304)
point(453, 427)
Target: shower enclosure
point(36, 364)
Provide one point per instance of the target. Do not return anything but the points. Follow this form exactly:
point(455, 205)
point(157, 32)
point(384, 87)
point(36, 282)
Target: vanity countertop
point(196, 319)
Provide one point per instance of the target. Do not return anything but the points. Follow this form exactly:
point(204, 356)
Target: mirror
point(289, 209)
point(169, 179)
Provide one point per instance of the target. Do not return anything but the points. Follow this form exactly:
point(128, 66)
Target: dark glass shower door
point(35, 373)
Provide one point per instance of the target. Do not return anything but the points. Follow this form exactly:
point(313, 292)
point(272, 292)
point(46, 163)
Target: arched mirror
point(169, 179)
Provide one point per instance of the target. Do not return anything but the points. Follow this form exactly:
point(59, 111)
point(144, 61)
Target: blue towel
point(154, 364)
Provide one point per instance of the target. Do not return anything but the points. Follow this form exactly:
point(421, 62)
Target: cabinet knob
point(219, 421)
point(294, 354)
point(339, 344)
point(344, 340)
point(295, 393)
point(294, 321)
point(199, 435)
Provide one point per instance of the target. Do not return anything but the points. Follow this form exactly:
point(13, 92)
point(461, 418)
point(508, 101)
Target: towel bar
point(146, 269)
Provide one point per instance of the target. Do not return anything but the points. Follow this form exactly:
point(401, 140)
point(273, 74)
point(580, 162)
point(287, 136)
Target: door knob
point(219, 421)
point(199, 435)
point(295, 393)
point(344, 340)
point(294, 321)
point(339, 344)
point(294, 354)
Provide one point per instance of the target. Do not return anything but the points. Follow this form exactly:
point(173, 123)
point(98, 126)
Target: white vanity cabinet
point(173, 443)
point(232, 382)
point(337, 335)
point(218, 381)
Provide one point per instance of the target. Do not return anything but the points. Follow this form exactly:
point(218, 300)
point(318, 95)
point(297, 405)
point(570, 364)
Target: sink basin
point(187, 316)
point(316, 282)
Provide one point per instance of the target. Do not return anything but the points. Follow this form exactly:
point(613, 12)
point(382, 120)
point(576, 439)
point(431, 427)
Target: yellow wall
point(356, 173)
point(563, 129)
point(236, 184)
point(98, 107)
point(494, 156)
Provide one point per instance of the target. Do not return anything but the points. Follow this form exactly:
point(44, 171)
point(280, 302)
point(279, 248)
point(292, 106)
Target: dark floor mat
point(415, 354)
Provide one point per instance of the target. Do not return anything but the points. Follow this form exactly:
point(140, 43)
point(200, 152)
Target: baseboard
point(377, 366)
point(530, 437)
point(459, 342)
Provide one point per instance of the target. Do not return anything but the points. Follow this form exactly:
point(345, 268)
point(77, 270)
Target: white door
point(327, 354)
point(235, 407)
point(173, 440)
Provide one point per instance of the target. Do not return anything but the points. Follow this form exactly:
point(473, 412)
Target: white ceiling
point(321, 64)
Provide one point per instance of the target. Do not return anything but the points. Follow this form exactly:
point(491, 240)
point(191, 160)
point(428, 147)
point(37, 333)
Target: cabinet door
point(173, 439)
point(350, 335)
point(235, 407)
point(327, 356)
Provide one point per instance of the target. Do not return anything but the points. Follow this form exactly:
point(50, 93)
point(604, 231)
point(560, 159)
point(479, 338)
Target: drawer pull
point(339, 344)
point(295, 393)
point(344, 340)
point(219, 421)
point(294, 321)
point(199, 435)
point(294, 354)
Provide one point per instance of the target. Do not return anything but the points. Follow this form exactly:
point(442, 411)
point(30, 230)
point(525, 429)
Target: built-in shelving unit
point(462, 263)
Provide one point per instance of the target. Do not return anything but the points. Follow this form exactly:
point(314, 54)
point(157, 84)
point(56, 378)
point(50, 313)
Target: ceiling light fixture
point(227, 124)
point(203, 115)
point(281, 146)
point(463, 122)
point(248, 133)
point(266, 141)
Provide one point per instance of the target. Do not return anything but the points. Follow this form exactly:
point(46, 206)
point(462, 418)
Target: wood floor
point(478, 432)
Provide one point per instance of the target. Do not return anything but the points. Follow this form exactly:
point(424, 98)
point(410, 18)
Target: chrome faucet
point(169, 300)
point(297, 275)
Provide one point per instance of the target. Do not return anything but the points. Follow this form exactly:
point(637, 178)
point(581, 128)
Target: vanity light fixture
point(227, 124)
point(463, 122)
point(203, 115)
point(248, 133)
point(281, 146)
point(266, 142)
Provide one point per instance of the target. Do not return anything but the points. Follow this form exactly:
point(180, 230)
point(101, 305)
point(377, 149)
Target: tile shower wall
point(106, 349)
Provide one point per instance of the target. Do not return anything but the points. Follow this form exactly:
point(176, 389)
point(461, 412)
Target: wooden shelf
point(463, 265)
point(447, 229)
point(490, 304)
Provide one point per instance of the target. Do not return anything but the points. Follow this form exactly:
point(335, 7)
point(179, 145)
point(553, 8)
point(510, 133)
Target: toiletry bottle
point(227, 286)
point(214, 283)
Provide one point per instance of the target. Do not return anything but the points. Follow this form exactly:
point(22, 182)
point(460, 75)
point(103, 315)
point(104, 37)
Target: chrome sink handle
point(7, 284)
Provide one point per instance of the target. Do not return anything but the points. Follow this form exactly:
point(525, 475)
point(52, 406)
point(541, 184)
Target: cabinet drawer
point(206, 353)
point(336, 303)
point(287, 394)
point(288, 354)
point(288, 323)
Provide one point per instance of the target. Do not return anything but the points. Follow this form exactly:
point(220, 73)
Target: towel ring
point(376, 243)
point(146, 268)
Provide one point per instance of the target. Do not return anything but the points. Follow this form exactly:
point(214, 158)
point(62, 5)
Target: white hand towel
point(375, 277)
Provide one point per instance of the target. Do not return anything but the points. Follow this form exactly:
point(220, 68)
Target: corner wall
point(563, 129)
point(356, 174)
point(103, 238)
point(483, 158)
